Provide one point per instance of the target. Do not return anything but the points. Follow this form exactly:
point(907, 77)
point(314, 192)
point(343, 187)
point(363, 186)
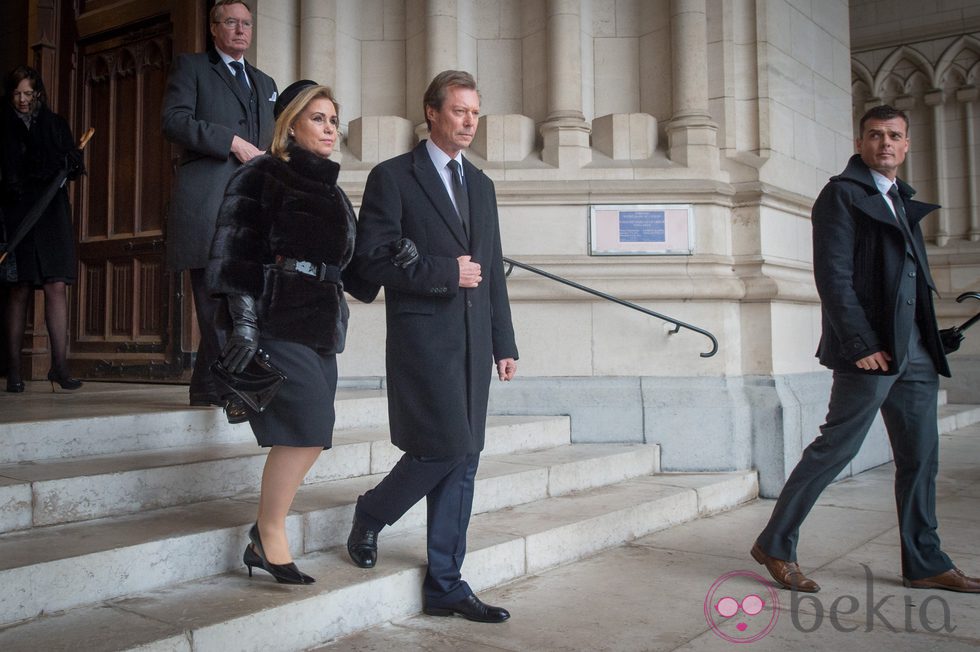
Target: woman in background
point(36, 145)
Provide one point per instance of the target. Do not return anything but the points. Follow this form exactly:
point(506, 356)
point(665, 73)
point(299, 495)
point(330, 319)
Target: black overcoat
point(294, 210)
point(442, 340)
point(203, 110)
point(29, 160)
point(858, 255)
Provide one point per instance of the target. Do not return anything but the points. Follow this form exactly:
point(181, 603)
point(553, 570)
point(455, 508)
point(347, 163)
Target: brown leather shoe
point(952, 580)
point(786, 573)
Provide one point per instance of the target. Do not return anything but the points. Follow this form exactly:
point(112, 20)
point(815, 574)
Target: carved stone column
point(441, 41)
point(318, 34)
point(934, 98)
point(565, 132)
point(692, 135)
point(968, 96)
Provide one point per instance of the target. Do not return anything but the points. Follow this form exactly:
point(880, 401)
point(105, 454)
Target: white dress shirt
point(440, 159)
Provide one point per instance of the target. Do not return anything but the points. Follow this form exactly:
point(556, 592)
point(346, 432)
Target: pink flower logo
point(741, 607)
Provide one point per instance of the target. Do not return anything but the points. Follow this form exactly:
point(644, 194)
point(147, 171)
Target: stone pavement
point(650, 594)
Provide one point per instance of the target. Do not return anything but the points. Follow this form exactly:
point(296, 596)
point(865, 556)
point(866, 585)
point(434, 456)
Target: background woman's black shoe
point(65, 382)
point(284, 573)
point(15, 388)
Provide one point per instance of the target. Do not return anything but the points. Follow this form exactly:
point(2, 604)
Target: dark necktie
point(240, 77)
point(900, 210)
point(461, 196)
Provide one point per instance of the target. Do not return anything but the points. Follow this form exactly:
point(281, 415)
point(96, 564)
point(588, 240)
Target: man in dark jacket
point(881, 340)
point(218, 109)
point(449, 323)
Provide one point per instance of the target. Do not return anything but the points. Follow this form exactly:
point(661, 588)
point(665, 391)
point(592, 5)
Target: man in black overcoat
point(881, 340)
point(448, 324)
point(218, 109)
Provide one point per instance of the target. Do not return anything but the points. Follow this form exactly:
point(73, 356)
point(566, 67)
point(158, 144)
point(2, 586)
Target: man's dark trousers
point(202, 382)
point(908, 406)
point(447, 485)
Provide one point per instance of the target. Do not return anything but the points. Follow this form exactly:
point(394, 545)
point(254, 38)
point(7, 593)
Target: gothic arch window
point(903, 63)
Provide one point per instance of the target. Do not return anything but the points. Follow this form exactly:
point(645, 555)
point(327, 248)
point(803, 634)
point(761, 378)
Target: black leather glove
point(951, 339)
point(74, 164)
point(404, 254)
point(243, 341)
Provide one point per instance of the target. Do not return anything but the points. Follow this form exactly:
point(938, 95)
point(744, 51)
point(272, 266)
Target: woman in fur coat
point(285, 233)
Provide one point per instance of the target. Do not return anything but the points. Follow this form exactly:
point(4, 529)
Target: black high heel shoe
point(65, 382)
point(15, 388)
point(284, 573)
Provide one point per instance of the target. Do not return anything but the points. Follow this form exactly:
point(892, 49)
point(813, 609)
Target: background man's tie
point(240, 77)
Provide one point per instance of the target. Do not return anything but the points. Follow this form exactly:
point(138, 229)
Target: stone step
point(234, 612)
point(64, 566)
point(953, 416)
point(106, 422)
point(54, 491)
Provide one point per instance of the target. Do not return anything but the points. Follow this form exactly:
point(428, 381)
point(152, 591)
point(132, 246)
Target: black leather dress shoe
point(362, 544)
point(471, 608)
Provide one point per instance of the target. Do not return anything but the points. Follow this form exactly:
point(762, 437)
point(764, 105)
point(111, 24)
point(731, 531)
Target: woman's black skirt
point(302, 412)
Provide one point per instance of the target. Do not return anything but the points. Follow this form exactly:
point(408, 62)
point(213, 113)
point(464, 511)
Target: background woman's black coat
point(29, 159)
point(295, 210)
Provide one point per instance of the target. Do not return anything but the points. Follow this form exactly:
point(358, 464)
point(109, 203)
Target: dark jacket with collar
point(203, 110)
point(293, 210)
point(442, 340)
point(859, 251)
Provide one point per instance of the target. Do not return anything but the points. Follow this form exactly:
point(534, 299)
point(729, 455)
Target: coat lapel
point(219, 67)
point(474, 190)
point(428, 179)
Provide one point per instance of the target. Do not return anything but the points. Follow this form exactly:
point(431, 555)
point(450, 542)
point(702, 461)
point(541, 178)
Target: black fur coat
point(290, 209)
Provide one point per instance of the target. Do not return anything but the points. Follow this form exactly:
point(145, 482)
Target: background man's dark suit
point(441, 345)
point(203, 109)
point(876, 297)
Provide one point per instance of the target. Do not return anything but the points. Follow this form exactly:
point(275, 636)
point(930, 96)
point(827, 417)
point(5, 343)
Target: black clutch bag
point(256, 385)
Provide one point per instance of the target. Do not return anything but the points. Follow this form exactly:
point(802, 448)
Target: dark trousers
point(908, 406)
point(202, 384)
point(447, 485)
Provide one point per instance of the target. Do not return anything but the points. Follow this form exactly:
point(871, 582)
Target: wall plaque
point(641, 229)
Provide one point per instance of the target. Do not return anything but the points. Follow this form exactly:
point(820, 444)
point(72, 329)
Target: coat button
point(469, 304)
point(910, 301)
point(911, 274)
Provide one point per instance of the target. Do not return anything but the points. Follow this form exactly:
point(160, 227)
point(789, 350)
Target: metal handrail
point(678, 324)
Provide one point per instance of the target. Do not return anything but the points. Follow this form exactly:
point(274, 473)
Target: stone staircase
point(124, 516)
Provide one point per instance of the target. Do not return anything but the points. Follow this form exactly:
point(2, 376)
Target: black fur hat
point(289, 94)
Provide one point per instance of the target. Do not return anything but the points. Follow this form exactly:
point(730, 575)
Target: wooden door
point(125, 313)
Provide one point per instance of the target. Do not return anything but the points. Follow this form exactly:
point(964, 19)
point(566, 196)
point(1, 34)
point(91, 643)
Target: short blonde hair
point(281, 137)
